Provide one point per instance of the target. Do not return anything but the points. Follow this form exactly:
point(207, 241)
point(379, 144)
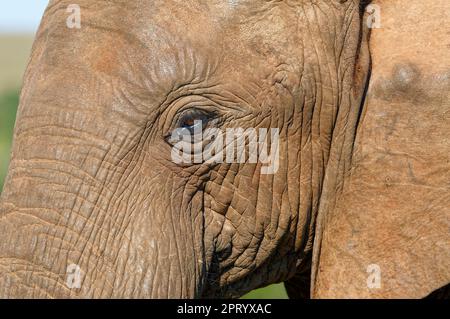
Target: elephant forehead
point(233, 28)
point(148, 32)
point(159, 45)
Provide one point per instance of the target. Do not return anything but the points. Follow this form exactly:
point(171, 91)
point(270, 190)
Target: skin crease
point(91, 181)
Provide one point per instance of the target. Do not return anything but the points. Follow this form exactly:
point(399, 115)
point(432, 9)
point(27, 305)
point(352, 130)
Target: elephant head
point(92, 182)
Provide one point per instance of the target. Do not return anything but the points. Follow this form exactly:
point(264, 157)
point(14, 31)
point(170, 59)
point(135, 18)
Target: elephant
point(358, 206)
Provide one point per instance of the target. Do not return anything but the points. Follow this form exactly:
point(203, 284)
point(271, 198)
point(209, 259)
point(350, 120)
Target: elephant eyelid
point(189, 117)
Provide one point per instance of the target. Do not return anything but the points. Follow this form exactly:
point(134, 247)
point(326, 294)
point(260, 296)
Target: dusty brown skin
point(92, 183)
point(394, 210)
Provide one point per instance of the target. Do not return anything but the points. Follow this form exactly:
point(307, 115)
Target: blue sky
point(21, 16)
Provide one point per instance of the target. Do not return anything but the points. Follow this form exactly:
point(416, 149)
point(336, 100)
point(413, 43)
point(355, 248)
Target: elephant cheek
point(57, 214)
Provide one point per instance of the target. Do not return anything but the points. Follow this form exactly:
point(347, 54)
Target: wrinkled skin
point(92, 183)
point(394, 208)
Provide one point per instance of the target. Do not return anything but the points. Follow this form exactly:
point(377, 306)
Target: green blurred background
point(17, 26)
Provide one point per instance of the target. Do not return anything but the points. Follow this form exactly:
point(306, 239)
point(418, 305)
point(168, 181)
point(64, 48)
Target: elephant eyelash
point(189, 118)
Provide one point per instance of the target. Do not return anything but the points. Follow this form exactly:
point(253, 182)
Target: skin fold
point(92, 183)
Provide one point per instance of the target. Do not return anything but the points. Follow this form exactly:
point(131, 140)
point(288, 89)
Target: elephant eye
point(195, 120)
point(191, 124)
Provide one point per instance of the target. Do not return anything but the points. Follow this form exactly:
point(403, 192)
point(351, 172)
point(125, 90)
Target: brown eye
point(192, 122)
point(189, 122)
point(194, 119)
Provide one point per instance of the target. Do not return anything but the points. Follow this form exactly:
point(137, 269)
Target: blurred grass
point(270, 292)
point(8, 108)
point(13, 59)
point(14, 53)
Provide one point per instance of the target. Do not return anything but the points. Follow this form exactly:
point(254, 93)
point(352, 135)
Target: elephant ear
point(383, 227)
